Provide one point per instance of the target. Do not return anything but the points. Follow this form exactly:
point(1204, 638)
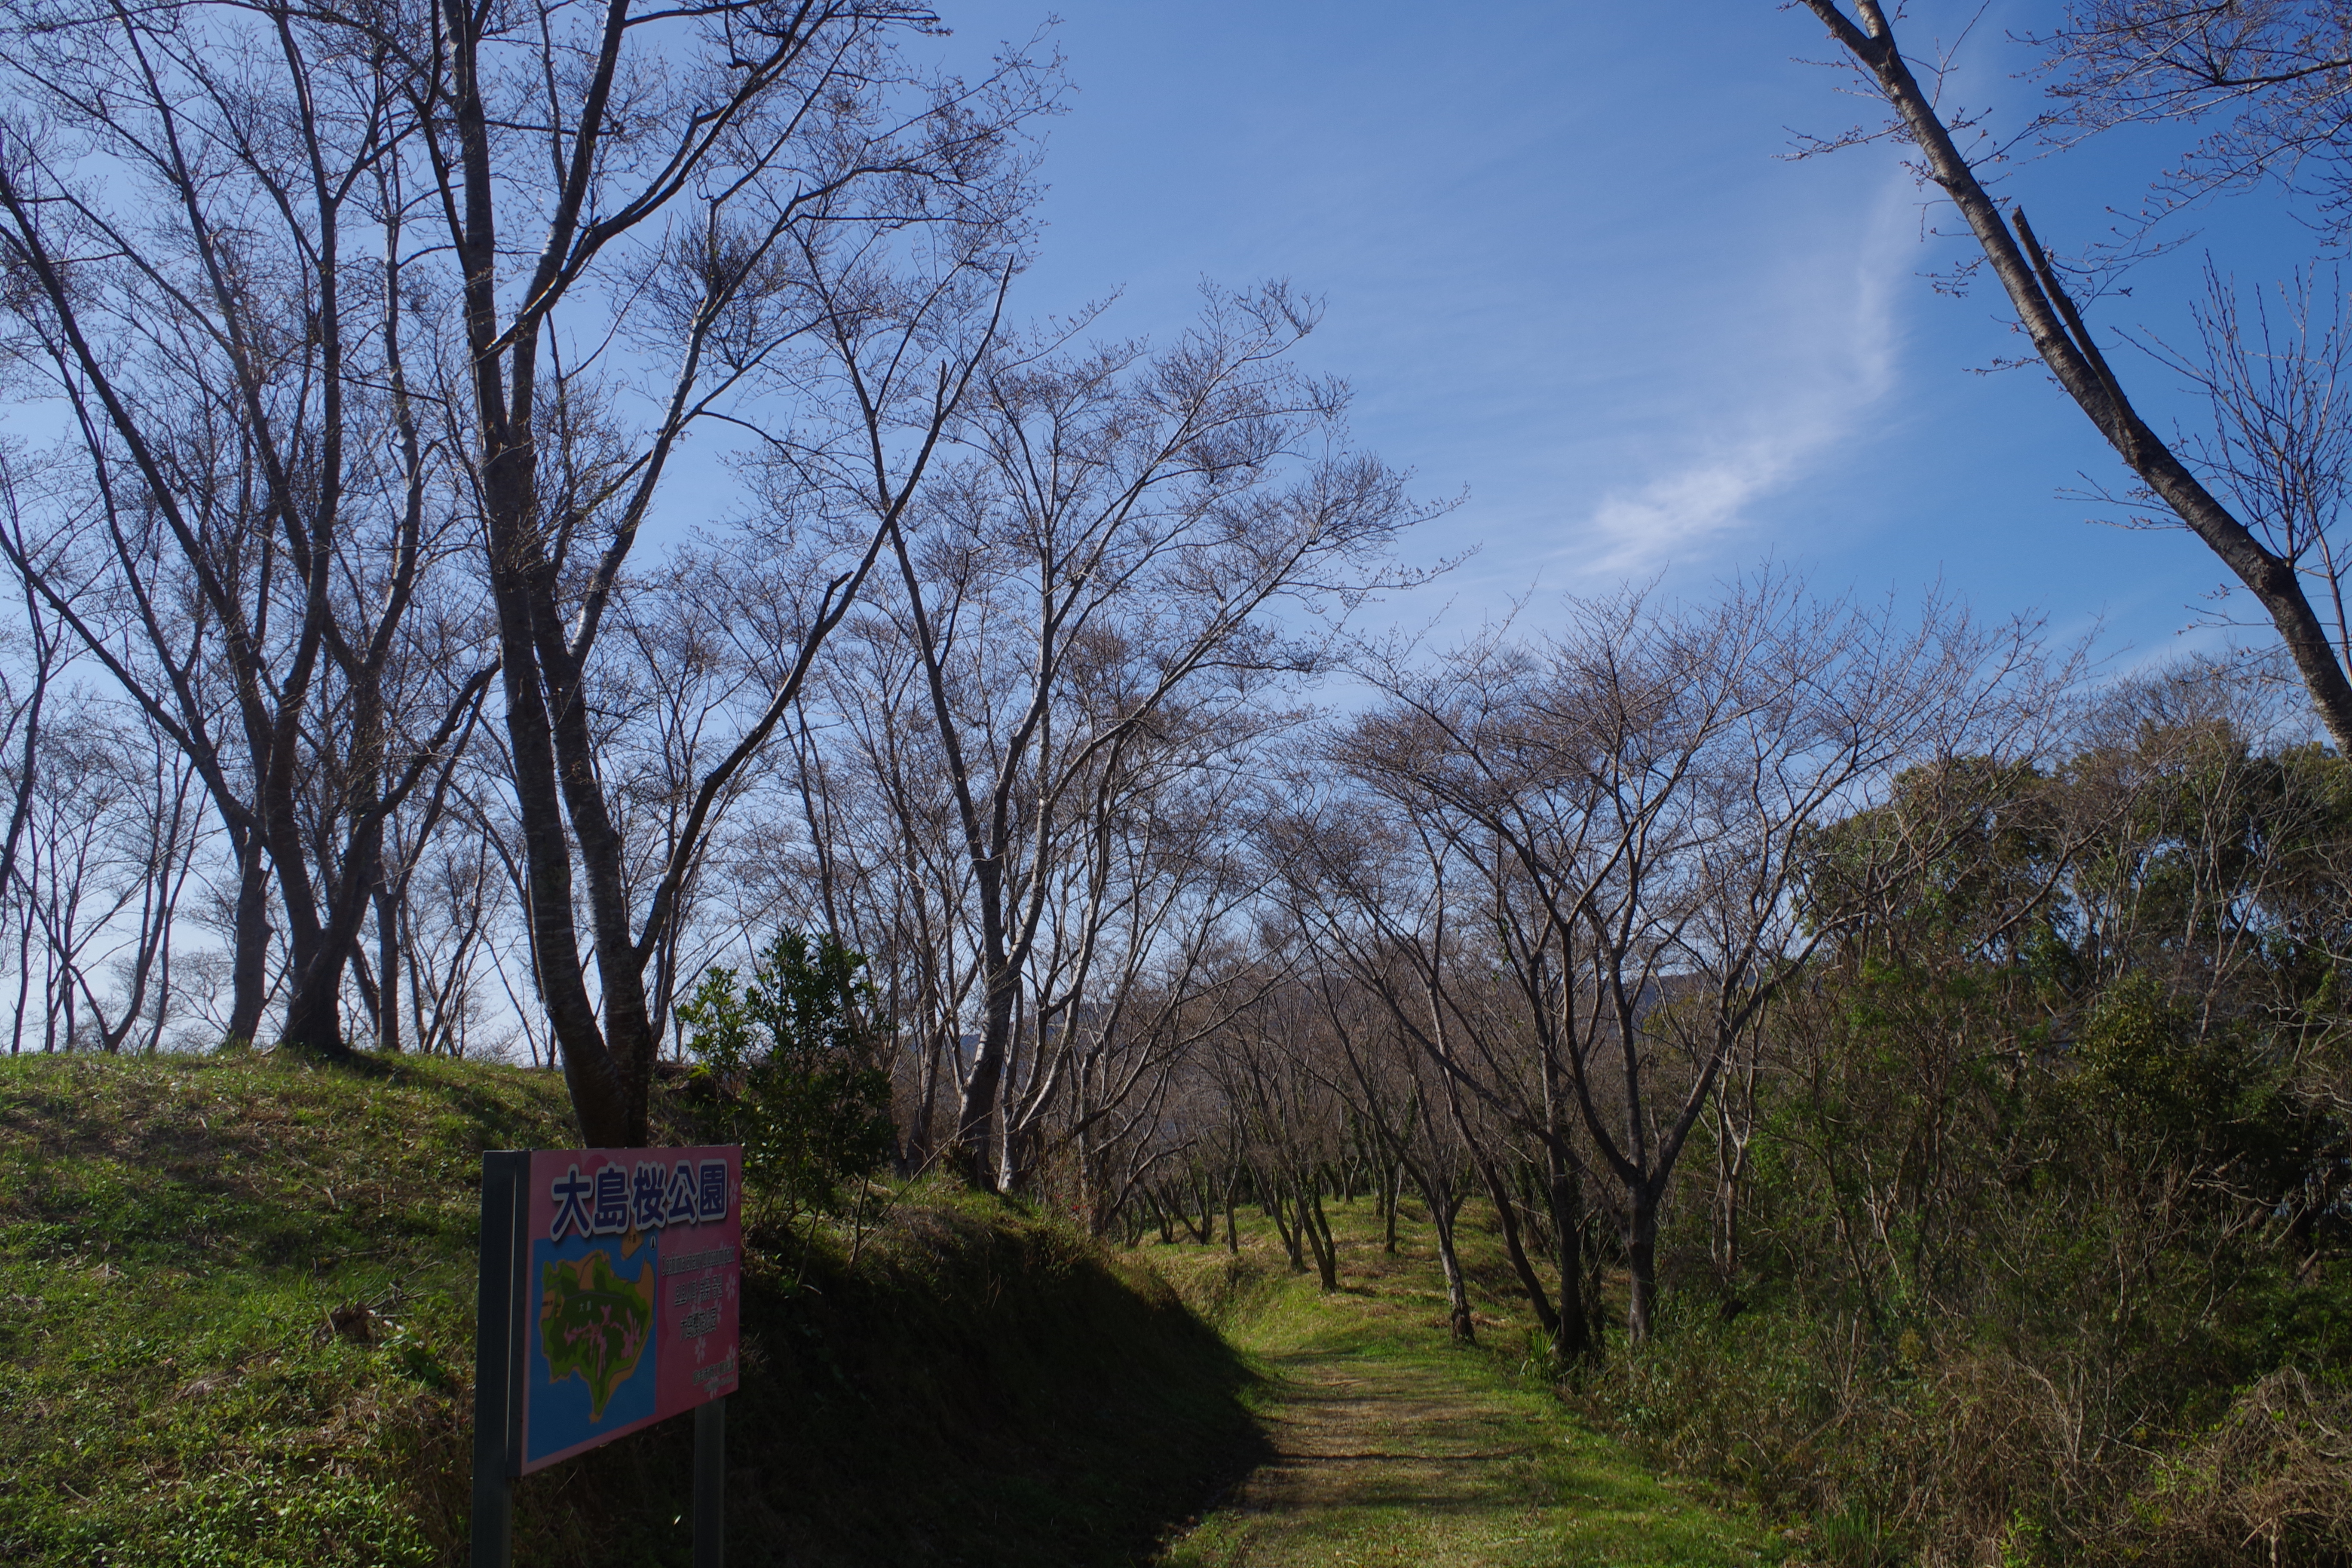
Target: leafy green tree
point(790, 1058)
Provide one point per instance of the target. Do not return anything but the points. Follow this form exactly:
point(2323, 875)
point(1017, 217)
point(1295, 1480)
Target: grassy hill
point(237, 1328)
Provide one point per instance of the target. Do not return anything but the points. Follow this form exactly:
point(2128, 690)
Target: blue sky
point(1568, 269)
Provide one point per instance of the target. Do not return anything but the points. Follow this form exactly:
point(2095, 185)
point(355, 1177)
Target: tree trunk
point(917, 1153)
point(1317, 1229)
point(1730, 1176)
point(314, 1014)
point(1463, 1329)
point(1197, 1186)
point(1018, 1171)
point(1641, 1261)
point(249, 954)
point(1507, 1215)
point(387, 946)
point(977, 1108)
point(1572, 1335)
point(1292, 1244)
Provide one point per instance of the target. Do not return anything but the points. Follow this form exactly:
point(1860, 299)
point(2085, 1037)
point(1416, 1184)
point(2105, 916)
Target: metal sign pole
point(711, 1484)
point(505, 1181)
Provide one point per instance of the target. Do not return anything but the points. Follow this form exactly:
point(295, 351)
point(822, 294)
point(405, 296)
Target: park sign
point(632, 1298)
point(610, 1299)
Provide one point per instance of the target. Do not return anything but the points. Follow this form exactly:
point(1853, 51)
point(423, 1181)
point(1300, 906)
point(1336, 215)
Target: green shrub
point(788, 1062)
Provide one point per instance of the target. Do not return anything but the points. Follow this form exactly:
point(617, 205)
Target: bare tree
point(1144, 900)
point(1116, 530)
point(243, 514)
point(814, 237)
point(71, 887)
point(109, 837)
point(1385, 1078)
point(2163, 58)
point(1633, 802)
point(1148, 953)
point(2266, 83)
point(27, 672)
point(1381, 890)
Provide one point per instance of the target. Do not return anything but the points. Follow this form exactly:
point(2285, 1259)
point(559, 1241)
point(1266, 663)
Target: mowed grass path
point(1389, 1445)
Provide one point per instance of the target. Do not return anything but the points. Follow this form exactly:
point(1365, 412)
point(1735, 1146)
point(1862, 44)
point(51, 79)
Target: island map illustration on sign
point(594, 1324)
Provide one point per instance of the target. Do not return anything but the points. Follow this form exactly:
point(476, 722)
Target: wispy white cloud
point(1794, 381)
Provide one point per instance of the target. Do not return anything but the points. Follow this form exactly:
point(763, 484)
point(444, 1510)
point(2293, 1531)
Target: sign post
point(496, 1336)
point(611, 1298)
point(711, 1484)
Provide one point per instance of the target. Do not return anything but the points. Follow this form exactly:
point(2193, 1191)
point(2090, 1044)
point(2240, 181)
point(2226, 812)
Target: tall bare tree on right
point(2262, 497)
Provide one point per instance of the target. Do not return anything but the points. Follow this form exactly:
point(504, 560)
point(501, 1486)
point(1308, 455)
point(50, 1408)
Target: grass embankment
point(1391, 1444)
point(237, 1328)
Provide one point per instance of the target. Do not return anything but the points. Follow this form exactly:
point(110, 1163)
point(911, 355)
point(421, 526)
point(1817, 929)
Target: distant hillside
point(235, 1318)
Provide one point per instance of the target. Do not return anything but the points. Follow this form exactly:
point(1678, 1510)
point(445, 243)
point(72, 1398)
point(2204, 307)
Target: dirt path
point(1388, 1445)
point(1358, 1440)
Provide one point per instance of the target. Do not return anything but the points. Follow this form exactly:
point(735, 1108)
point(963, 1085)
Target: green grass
point(172, 1236)
point(983, 1386)
point(1397, 1446)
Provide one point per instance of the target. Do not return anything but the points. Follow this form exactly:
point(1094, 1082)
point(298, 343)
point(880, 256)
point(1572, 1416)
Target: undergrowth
point(1901, 1450)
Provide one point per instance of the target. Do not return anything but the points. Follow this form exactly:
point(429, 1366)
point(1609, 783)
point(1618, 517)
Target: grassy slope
point(1394, 1445)
point(175, 1235)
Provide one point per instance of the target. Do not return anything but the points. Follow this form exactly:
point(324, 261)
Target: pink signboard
point(632, 1292)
